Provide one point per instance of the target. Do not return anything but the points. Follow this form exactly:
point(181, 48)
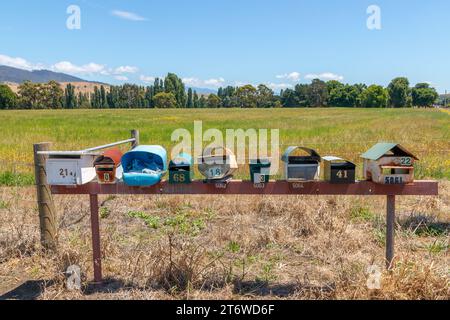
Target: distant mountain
point(14, 75)
point(204, 91)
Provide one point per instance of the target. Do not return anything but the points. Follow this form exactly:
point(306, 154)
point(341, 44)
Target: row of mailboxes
point(385, 163)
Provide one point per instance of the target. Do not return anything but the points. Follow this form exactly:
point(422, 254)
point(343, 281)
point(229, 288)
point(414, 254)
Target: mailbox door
point(62, 171)
point(180, 176)
point(342, 175)
point(303, 172)
point(106, 174)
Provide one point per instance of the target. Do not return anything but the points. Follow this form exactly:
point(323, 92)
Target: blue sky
point(217, 42)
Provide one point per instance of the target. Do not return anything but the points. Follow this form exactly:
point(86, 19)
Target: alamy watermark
point(262, 143)
point(374, 19)
point(373, 277)
point(73, 22)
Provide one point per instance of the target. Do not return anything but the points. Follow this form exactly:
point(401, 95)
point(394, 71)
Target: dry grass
point(190, 247)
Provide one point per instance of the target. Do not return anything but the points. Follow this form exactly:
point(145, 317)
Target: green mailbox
point(260, 170)
point(181, 169)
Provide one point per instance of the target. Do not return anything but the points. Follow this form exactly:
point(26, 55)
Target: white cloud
point(279, 86)
point(215, 82)
point(126, 69)
point(241, 84)
point(90, 68)
point(121, 78)
point(293, 76)
point(324, 76)
point(147, 79)
point(128, 15)
point(17, 62)
point(209, 83)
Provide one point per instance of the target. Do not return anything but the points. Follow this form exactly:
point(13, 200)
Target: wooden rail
point(362, 188)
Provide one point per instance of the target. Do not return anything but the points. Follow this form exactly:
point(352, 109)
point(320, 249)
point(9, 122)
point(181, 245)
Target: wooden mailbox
point(337, 170)
point(217, 163)
point(389, 163)
point(301, 168)
point(181, 169)
point(108, 167)
point(260, 170)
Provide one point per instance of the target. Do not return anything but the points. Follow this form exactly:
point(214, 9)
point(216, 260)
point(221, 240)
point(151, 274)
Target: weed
point(104, 212)
point(11, 179)
point(234, 247)
point(360, 213)
point(4, 204)
point(437, 247)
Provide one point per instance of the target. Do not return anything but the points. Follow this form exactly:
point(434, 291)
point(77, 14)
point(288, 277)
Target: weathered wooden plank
point(248, 188)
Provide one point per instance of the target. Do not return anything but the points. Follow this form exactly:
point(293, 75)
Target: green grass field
point(336, 131)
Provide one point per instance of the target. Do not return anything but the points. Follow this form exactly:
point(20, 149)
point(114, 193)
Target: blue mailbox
point(144, 166)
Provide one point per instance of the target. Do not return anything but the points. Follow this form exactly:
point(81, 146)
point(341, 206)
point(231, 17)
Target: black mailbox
point(337, 170)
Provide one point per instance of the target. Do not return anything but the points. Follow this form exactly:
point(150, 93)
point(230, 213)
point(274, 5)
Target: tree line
point(171, 92)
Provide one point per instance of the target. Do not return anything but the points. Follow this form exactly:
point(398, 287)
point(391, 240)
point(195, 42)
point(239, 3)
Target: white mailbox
point(70, 168)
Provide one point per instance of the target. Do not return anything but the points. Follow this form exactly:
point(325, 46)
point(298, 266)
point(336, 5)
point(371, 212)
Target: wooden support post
point(95, 228)
point(390, 230)
point(135, 135)
point(47, 212)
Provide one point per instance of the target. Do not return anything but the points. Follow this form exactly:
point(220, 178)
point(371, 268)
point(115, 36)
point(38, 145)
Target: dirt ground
point(235, 247)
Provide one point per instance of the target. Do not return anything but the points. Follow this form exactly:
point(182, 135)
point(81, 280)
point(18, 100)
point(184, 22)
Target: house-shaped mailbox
point(301, 168)
point(217, 163)
point(389, 163)
point(144, 166)
point(68, 168)
point(108, 167)
point(181, 169)
point(260, 170)
point(337, 170)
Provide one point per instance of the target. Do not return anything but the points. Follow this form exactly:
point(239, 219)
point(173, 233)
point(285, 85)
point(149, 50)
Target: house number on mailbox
point(342, 174)
point(405, 161)
point(179, 178)
point(65, 173)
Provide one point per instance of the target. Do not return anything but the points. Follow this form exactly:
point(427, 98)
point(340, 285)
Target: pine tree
point(69, 97)
point(190, 102)
point(195, 102)
point(103, 102)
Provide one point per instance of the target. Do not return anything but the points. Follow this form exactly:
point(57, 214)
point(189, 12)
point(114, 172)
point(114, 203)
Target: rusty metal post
point(95, 228)
point(47, 212)
point(390, 230)
point(135, 135)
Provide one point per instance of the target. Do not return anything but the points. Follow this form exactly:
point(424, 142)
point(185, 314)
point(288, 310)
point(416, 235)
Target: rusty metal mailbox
point(301, 167)
point(108, 167)
point(180, 169)
point(260, 170)
point(217, 163)
point(337, 170)
point(389, 163)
